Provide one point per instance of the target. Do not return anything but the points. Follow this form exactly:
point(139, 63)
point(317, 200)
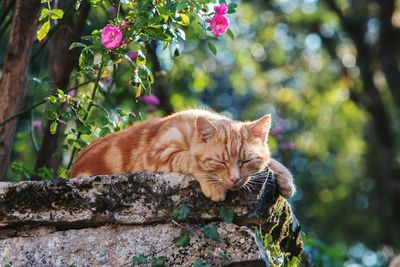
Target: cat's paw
point(216, 193)
point(284, 180)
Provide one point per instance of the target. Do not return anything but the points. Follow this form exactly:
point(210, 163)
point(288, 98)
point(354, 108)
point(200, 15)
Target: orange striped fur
point(219, 152)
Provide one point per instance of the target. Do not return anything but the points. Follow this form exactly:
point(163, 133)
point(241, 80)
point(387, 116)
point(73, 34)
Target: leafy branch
point(89, 107)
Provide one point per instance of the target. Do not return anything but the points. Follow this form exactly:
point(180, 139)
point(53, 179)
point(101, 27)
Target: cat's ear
point(260, 128)
point(205, 129)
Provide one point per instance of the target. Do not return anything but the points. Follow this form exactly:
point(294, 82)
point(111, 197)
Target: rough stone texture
point(139, 198)
point(106, 220)
point(116, 246)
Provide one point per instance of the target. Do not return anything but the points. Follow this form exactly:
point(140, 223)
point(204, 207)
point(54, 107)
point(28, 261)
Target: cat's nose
point(235, 180)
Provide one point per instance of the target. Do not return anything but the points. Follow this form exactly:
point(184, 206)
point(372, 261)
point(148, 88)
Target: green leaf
point(104, 131)
point(52, 99)
point(185, 20)
point(95, 2)
point(141, 58)
point(82, 113)
point(80, 143)
point(144, 37)
point(171, 6)
point(105, 59)
point(121, 112)
point(56, 13)
point(181, 212)
point(158, 262)
point(201, 263)
point(226, 215)
point(76, 44)
point(43, 14)
point(63, 173)
point(51, 115)
point(43, 31)
point(181, 5)
point(78, 4)
point(232, 8)
point(102, 121)
point(230, 34)
point(86, 59)
point(85, 129)
point(156, 33)
point(144, 71)
point(131, 117)
point(53, 127)
point(140, 259)
point(212, 48)
point(61, 93)
point(294, 262)
point(183, 239)
point(211, 232)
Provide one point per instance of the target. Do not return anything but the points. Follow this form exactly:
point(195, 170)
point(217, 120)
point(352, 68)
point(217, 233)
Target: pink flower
point(219, 24)
point(72, 93)
point(221, 9)
point(37, 125)
point(151, 100)
point(133, 55)
point(111, 37)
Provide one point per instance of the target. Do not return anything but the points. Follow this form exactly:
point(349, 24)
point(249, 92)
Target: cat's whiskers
point(250, 186)
point(245, 186)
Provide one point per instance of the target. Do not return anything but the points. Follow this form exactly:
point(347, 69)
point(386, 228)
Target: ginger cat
point(220, 153)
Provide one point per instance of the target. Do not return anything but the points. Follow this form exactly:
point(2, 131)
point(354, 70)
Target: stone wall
point(108, 220)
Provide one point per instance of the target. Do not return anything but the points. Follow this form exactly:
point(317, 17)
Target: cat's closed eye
point(221, 162)
point(242, 162)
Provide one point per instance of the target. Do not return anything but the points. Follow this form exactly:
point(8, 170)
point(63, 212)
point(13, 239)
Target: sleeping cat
point(220, 153)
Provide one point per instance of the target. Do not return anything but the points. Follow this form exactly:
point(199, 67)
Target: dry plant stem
point(96, 85)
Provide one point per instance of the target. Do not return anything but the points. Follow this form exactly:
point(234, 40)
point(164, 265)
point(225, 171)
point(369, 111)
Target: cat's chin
point(236, 187)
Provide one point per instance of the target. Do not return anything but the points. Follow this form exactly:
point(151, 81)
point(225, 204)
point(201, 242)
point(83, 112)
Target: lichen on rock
point(107, 220)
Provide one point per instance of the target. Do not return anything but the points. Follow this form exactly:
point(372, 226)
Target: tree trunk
point(13, 85)
point(62, 60)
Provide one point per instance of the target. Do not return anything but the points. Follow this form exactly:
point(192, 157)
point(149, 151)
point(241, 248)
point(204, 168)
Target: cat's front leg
point(212, 190)
point(284, 178)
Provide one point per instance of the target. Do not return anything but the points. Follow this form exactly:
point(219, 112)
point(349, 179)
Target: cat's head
point(228, 152)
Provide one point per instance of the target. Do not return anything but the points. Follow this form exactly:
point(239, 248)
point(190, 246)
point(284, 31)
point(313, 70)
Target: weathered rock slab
point(117, 245)
point(138, 198)
point(107, 220)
